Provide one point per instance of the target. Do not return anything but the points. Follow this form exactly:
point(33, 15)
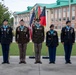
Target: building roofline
point(23, 12)
point(56, 6)
point(48, 6)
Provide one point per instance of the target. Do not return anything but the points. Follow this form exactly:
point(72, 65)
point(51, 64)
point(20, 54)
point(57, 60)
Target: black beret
point(52, 25)
point(22, 20)
point(38, 19)
point(5, 20)
point(68, 21)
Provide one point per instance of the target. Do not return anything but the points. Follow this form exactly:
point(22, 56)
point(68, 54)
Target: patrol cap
point(52, 25)
point(68, 21)
point(38, 20)
point(5, 20)
point(22, 20)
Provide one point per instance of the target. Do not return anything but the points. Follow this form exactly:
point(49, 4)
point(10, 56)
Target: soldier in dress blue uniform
point(38, 38)
point(6, 37)
point(52, 43)
point(68, 39)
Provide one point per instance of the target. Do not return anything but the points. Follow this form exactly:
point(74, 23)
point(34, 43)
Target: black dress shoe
point(68, 62)
point(3, 63)
point(8, 62)
point(36, 62)
point(39, 62)
point(22, 62)
point(51, 62)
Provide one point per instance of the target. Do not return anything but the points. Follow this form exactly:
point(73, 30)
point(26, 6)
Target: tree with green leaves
point(4, 13)
point(11, 21)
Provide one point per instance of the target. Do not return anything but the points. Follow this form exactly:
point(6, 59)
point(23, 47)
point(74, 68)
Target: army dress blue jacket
point(52, 38)
point(6, 35)
point(68, 35)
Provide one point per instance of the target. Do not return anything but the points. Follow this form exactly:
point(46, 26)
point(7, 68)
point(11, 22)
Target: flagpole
point(32, 23)
point(69, 9)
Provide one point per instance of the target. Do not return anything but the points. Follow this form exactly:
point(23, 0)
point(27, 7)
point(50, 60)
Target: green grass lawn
point(14, 51)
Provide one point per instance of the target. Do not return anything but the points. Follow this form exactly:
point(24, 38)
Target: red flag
point(43, 17)
point(39, 11)
point(30, 28)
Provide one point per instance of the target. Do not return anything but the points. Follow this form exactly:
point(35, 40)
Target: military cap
point(68, 21)
point(22, 20)
point(52, 25)
point(38, 20)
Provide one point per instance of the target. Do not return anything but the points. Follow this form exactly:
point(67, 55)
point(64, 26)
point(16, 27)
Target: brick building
point(56, 13)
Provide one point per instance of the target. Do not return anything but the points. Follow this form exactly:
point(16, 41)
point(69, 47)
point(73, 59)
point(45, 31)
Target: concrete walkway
point(60, 68)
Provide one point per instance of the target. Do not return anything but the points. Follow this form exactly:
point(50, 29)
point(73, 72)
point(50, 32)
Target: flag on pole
point(39, 12)
point(31, 21)
point(36, 12)
point(43, 17)
point(32, 17)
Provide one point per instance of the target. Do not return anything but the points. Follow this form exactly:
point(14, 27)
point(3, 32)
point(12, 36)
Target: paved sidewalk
point(60, 68)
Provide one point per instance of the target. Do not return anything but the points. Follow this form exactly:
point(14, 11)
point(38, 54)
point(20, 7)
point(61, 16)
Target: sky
point(21, 5)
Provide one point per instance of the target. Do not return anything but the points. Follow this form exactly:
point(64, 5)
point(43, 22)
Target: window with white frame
point(73, 8)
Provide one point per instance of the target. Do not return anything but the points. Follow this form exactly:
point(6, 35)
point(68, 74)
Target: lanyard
point(5, 27)
point(21, 27)
point(52, 31)
point(38, 25)
point(68, 28)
